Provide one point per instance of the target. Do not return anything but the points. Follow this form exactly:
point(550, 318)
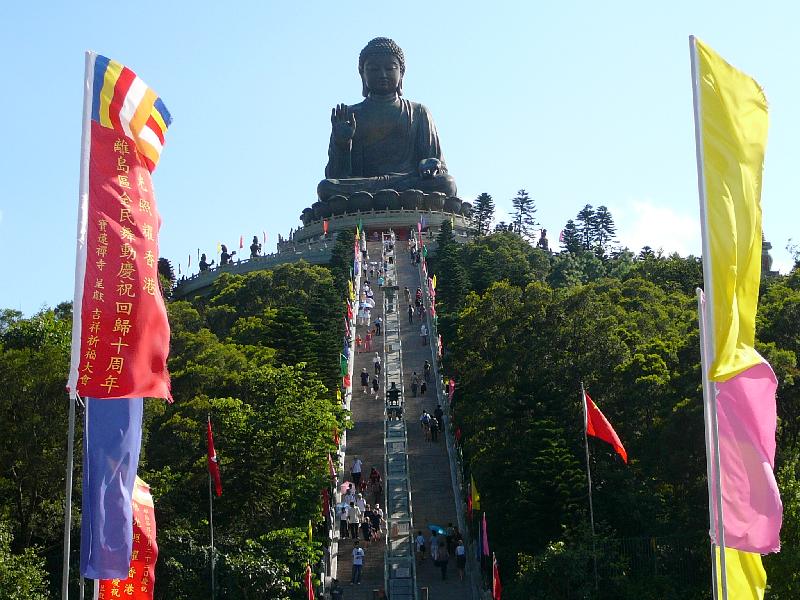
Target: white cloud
point(646, 223)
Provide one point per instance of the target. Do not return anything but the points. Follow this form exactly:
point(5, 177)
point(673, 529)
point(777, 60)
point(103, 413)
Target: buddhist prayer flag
point(751, 503)
point(325, 226)
point(484, 536)
point(731, 123)
point(213, 461)
point(598, 426)
point(241, 242)
point(140, 579)
point(120, 333)
point(111, 442)
point(476, 497)
point(309, 583)
point(745, 575)
point(310, 531)
point(734, 123)
point(497, 587)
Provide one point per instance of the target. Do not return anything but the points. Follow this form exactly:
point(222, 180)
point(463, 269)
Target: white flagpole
point(707, 345)
point(589, 479)
point(80, 273)
point(211, 526)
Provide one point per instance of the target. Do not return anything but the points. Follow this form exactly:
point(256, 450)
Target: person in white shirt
point(361, 503)
point(353, 520)
point(461, 558)
point(419, 542)
point(358, 563)
point(423, 333)
point(355, 470)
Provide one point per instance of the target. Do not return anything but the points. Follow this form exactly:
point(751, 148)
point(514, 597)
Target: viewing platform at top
point(311, 244)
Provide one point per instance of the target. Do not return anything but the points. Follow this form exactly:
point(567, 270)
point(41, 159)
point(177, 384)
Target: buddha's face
point(382, 74)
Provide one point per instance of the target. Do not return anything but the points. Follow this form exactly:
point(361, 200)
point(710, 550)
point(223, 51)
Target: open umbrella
point(438, 529)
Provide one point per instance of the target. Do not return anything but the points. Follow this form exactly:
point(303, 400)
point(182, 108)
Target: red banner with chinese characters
point(141, 575)
point(124, 329)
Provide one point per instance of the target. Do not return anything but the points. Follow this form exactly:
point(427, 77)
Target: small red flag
point(325, 226)
point(213, 462)
point(497, 587)
point(469, 501)
point(598, 426)
point(309, 583)
point(241, 242)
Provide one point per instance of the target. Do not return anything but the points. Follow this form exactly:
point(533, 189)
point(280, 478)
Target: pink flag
point(751, 504)
point(419, 228)
point(485, 537)
point(452, 388)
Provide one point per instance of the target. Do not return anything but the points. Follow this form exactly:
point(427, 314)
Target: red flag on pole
point(241, 242)
point(497, 587)
point(309, 583)
point(325, 226)
point(213, 462)
point(598, 426)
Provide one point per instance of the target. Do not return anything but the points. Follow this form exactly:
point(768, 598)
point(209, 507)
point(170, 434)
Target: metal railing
point(399, 563)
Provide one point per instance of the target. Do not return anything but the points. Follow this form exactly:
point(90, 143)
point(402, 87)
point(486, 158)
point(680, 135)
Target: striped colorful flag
point(123, 102)
point(120, 333)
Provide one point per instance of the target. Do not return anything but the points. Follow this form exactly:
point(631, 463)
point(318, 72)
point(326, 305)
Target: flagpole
point(708, 437)
point(589, 479)
point(707, 338)
point(211, 527)
point(68, 501)
point(80, 272)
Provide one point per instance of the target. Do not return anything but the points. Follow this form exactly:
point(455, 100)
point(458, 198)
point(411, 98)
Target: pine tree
point(483, 213)
point(524, 211)
point(571, 240)
point(603, 230)
point(585, 224)
point(445, 237)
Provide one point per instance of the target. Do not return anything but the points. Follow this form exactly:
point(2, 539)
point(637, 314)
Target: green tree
point(604, 230)
point(22, 576)
point(524, 211)
point(571, 241)
point(585, 225)
point(483, 213)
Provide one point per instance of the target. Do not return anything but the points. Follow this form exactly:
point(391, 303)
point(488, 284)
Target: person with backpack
point(377, 363)
point(414, 383)
point(435, 428)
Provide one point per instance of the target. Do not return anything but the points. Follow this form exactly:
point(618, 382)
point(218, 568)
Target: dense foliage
point(260, 355)
point(523, 328)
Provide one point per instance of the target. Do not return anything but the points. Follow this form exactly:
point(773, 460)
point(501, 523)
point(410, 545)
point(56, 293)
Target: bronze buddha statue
point(385, 141)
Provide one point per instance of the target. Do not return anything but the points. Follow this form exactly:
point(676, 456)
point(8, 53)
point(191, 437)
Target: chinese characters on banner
point(141, 575)
point(124, 330)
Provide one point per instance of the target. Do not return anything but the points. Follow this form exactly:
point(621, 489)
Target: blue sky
point(577, 102)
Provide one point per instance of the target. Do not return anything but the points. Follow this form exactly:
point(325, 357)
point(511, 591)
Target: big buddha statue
point(385, 141)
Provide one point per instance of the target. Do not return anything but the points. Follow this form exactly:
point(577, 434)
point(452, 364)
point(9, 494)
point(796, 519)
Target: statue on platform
point(543, 242)
point(384, 142)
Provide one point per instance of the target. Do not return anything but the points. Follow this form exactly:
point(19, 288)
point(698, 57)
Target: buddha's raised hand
point(343, 121)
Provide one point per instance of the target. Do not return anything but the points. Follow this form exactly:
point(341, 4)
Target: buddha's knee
point(327, 188)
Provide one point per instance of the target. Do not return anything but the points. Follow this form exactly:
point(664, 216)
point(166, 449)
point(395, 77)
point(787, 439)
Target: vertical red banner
point(141, 575)
point(124, 329)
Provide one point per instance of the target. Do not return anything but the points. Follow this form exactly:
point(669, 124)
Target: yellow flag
point(434, 281)
point(734, 122)
point(746, 578)
point(309, 530)
point(476, 497)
